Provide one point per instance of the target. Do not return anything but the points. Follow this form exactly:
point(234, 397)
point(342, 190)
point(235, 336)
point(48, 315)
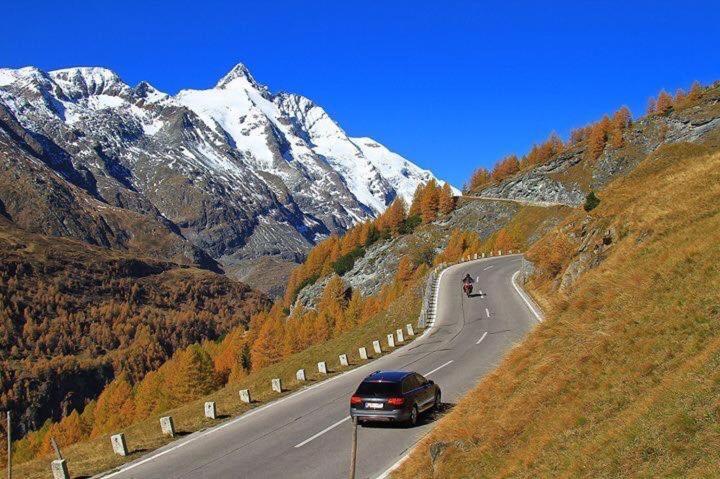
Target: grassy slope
point(623, 378)
point(96, 455)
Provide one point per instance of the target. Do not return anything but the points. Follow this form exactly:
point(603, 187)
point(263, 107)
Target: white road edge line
point(437, 368)
point(524, 296)
point(399, 462)
point(483, 337)
point(485, 269)
point(385, 474)
point(196, 436)
point(332, 426)
point(487, 312)
point(256, 410)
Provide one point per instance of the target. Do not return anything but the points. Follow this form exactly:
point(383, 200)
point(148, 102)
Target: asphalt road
point(308, 434)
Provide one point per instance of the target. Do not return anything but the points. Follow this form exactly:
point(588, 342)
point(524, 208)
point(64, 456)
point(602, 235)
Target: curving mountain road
point(308, 434)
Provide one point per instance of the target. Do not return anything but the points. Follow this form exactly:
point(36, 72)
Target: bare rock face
point(228, 174)
point(569, 177)
point(378, 265)
point(539, 185)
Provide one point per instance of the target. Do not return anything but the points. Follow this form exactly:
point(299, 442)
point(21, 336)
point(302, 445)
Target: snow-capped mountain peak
point(239, 171)
point(81, 82)
point(149, 93)
point(8, 76)
point(240, 76)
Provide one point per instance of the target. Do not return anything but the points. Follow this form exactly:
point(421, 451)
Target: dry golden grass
point(623, 378)
point(94, 456)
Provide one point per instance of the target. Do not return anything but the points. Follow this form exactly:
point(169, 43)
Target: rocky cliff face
point(378, 265)
point(227, 174)
point(569, 177)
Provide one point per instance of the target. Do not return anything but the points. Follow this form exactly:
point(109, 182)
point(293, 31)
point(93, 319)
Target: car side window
point(421, 380)
point(410, 383)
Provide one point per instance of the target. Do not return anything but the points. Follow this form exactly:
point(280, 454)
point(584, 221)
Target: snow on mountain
point(243, 109)
point(236, 170)
point(403, 175)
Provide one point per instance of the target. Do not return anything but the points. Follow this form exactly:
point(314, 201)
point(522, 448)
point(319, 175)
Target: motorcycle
point(467, 288)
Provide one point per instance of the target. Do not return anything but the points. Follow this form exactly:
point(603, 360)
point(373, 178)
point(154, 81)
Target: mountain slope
point(622, 377)
point(72, 317)
point(232, 173)
point(569, 175)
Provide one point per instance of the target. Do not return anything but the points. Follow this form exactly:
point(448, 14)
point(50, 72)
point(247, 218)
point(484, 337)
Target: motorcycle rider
point(467, 284)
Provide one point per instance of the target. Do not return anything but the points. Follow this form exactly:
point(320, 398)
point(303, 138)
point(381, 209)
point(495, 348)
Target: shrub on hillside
point(591, 201)
point(409, 225)
point(346, 262)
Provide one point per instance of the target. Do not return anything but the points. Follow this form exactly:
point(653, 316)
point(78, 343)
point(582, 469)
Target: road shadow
point(181, 433)
point(434, 415)
point(477, 295)
point(425, 418)
point(499, 331)
point(223, 416)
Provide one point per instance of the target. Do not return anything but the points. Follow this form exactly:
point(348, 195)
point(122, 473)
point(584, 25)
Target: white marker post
point(400, 337)
point(343, 360)
point(119, 445)
point(300, 375)
point(363, 353)
point(376, 347)
point(245, 396)
point(276, 385)
point(210, 410)
point(59, 469)
point(391, 340)
point(167, 426)
point(410, 330)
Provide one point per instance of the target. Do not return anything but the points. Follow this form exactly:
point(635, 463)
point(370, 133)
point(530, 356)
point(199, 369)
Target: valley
point(162, 251)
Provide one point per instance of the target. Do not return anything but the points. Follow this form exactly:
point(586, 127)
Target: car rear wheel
point(412, 421)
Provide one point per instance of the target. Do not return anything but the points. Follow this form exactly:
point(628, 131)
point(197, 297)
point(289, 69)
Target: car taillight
point(396, 401)
point(355, 400)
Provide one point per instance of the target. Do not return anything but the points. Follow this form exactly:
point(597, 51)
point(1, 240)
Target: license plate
point(373, 405)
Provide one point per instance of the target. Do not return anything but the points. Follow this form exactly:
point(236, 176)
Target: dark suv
point(397, 396)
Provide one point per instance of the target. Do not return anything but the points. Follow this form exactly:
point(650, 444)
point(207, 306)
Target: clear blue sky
point(450, 85)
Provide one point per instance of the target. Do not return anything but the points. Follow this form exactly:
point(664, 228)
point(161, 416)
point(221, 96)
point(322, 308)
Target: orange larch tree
point(415, 208)
point(115, 398)
point(430, 202)
point(506, 167)
point(267, 347)
point(664, 103)
point(193, 375)
point(393, 217)
point(619, 122)
point(405, 270)
point(354, 311)
point(446, 202)
point(479, 178)
point(597, 138)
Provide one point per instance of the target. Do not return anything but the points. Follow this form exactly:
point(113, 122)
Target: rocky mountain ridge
point(224, 175)
point(569, 177)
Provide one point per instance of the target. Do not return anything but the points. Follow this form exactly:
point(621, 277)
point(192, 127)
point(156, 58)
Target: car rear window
point(379, 389)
